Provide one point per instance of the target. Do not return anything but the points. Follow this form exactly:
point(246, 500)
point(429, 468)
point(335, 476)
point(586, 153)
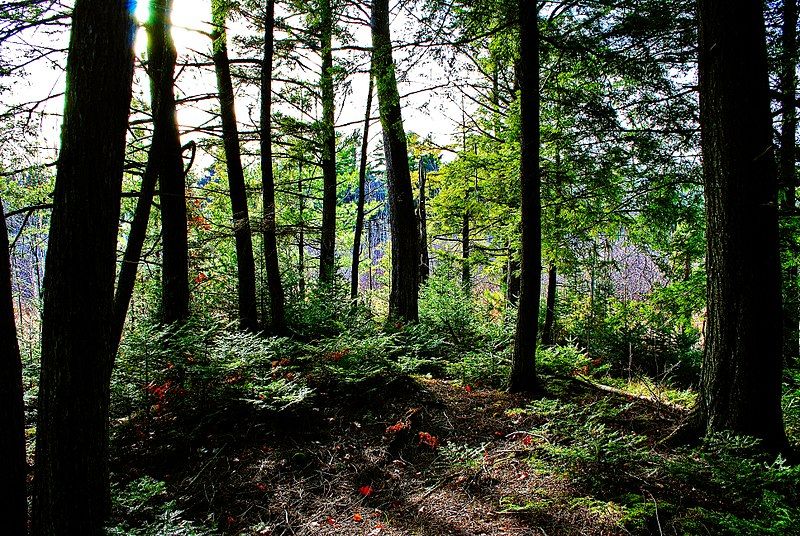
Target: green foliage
point(141, 504)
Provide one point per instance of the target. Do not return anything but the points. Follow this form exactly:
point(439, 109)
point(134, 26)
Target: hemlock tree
point(403, 298)
point(327, 250)
point(13, 465)
point(162, 56)
point(269, 223)
point(362, 184)
point(523, 360)
point(245, 264)
point(740, 387)
point(71, 485)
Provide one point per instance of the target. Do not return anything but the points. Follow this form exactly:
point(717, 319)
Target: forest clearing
point(391, 267)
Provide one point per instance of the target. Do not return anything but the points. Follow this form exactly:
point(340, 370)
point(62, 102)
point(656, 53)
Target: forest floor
point(397, 455)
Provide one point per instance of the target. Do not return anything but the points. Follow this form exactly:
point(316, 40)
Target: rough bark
point(523, 361)
point(274, 284)
point(71, 484)
point(424, 259)
point(245, 264)
point(550, 312)
point(175, 262)
point(740, 386)
point(403, 299)
point(362, 184)
point(13, 465)
point(788, 173)
point(327, 251)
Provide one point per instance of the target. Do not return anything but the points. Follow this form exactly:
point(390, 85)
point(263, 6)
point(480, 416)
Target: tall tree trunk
point(327, 251)
point(301, 238)
point(523, 361)
point(245, 264)
point(126, 281)
point(71, 484)
point(161, 65)
point(276, 295)
point(403, 299)
point(424, 259)
point(550, 313)
point(740, 387)
point(788, 173)
point(466, 276)
point(362, 185)
point(13, 465)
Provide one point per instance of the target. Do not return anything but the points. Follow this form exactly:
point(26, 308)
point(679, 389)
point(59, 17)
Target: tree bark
point(740, 387)
point(71, 484)
point(161, 65)
point(424, 259)
point(327, 252)
point(523, 361)
point(466, 276)
point(362, 184)
point(403, 298)
point(550, 313)
point(788, 173)
point(274, 284)
point(245, 264)
point(13, 464)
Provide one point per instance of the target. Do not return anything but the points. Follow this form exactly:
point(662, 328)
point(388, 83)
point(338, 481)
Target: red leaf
point(468, 388)
point(366, 491)
point(428, 439)
point(358, 518)
point(330, 521)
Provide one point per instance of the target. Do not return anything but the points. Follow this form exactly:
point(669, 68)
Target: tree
point(71, 485)
point(740, 386)
point(327, 251)
point(403, 297)
point(245, 264)
point(523, 360)
point(276, 295)
point(13, 465)
point(162, 56)
point(362, 176)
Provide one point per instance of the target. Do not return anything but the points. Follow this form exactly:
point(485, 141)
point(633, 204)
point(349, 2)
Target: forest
point(398, 267)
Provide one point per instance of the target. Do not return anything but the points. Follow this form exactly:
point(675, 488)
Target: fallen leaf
point(366, 491)
point(358, 518)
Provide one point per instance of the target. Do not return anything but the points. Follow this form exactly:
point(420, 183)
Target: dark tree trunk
point(424, 260)
point(550, 313)
point(245, 264)
point(362, 185)
point(740, 386)
point(71, 484)
point(327, 251)
point(126, 280)
point(403, 299)
point(276, 296)
point(301, 238)
point(788, 173)
point(523, 361)
point(161, 65)
point(466, 276)
point(13, 465)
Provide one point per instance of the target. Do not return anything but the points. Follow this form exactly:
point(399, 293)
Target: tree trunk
point(161, 65)
point(13, 465)
point(466, 276)
point(523, 361)
point(301, 238)
point(550, 313)
point(327, 251)
point(740, 387)
point(126, 281)
point(362, 184)
point(245, 264)
point(403, 299)
point(276, 295)
point(71, 484)
point(788, 173)
point(424, 259)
